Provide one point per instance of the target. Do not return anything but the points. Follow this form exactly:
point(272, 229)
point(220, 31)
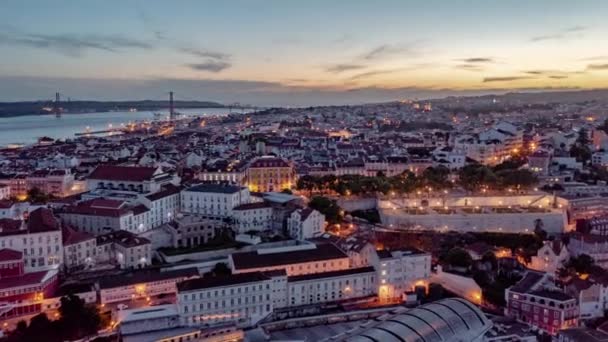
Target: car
point(122, 306)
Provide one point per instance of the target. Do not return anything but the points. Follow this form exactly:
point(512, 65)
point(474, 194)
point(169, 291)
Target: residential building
point(268, 173)
point(38, 238)
point(243, 298)
point(255, 216)
point(79, 249)
point(332, 286)
point(142, 284)
point(124, 249)
point(550, 257)
point(535, 301)
point(399, 271)
point(295, 260)
point(213, 200)
point(305, 223)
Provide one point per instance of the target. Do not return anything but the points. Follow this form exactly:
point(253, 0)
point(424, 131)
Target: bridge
point(56, 106)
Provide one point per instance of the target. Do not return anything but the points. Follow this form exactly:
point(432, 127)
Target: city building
point(268, 173)
point(141, 284)
point(535, 301)
point(123, 249)
point(243, 298)
point(79, 249)
point(399, 271)
point(295, 260)
point(213, 200)
point(38, 238)
point(305, 223)
point(256, 216)
point(332, 286)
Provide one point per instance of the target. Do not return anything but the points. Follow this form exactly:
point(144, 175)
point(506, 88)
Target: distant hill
point(597, 96)
point(8, 109)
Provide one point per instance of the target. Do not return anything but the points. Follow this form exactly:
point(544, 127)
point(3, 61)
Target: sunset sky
point(298, 52)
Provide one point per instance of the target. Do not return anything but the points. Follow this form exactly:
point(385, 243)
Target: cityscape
point(304, 171)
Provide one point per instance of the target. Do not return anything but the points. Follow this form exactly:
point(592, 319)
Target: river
point(27, 129)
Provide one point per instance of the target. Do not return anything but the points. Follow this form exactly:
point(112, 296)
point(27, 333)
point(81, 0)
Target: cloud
point(205, 53)
point(506, 78)
point(478, 60)
point(213, 61)
point(210, 66)
point(597, 67)
point(339, 68)
point(595, 58)
point(560, 35)
point(469, 67)
point(558, 77)
point(73, 45)
point(388, 50)
point(372, 73)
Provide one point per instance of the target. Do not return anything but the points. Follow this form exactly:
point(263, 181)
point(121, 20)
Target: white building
point(305, 223)
point(252, 216)
point(129, 179)
point(55, 182)
point(124, 249)
point(213, 200)
point(300, 259)
point(39, 239)
point(550, 257)
point(5, 191)
point(142, 284)
point(400, 271)
point(243, 298)
point(333, 286)
point(79, 249)
point(596, 246)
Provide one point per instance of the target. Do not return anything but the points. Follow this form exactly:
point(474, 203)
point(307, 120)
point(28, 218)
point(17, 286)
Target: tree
point(539, 230)
point(436, 177)
point(516, 178)
point(458, 257)
point(583, 137)
point(76, 319)
point(473, 177)
point(306, 183)
point(328, 207)
point(581, 264)
point(581, 153)
point(36, 195)
point(221, 269)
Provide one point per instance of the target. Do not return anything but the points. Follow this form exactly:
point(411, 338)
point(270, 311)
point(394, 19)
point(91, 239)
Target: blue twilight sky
point(298, 52)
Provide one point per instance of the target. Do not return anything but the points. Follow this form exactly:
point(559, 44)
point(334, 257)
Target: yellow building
point(269, 173)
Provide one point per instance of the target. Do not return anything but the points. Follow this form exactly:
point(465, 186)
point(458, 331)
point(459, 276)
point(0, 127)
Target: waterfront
point(27, 129)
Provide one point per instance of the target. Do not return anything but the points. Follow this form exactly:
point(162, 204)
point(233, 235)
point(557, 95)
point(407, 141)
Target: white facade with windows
point(305, 223)
point(252, 216)
point(240, 298)
point(400, 271)
point(213, 200)
point(331, 286)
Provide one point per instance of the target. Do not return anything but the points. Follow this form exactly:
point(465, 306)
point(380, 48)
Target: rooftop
point(216, 188)
point(332, 274)
point(221, 281)
point(256, 260)
point(123, 173)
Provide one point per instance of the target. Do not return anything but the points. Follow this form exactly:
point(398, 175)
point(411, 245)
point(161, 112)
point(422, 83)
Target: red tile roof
point(71, 236)
point(268, 162)
point(42, 220)
point(10, 254)
point(123, 173)
point(27, 279)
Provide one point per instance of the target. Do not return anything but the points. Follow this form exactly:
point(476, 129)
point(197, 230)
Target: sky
point(284, 52)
